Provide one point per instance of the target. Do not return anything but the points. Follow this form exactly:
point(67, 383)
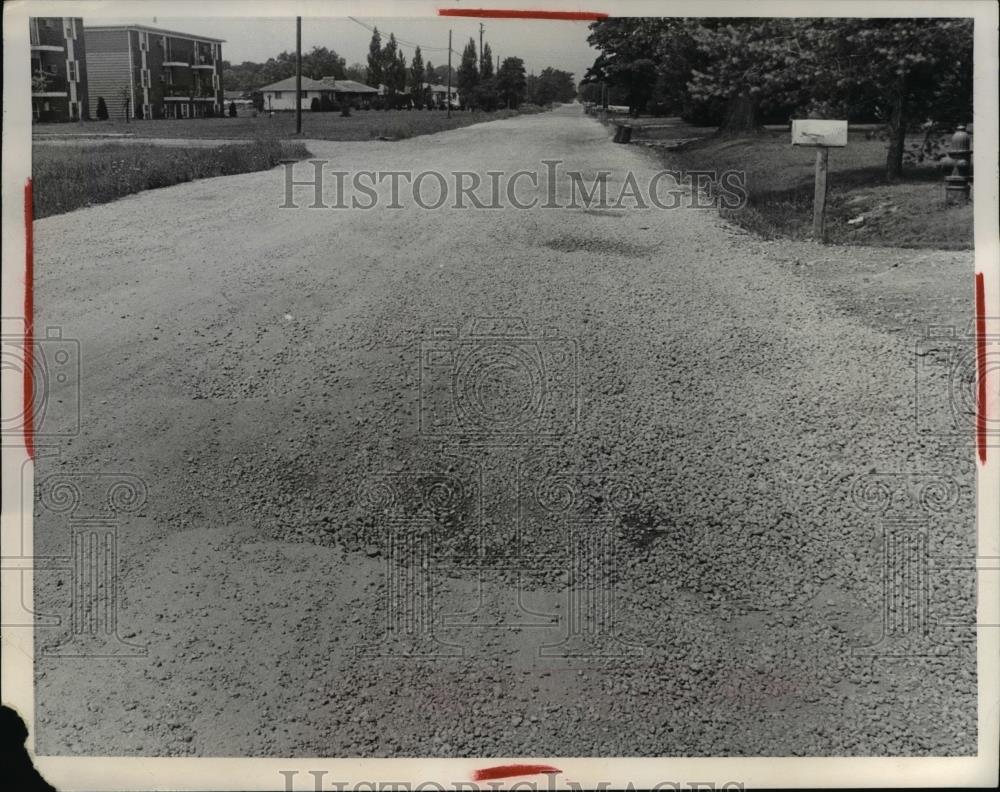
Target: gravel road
point(724, 447)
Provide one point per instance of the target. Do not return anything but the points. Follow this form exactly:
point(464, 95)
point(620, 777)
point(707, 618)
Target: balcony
point(52, 86)
point(188, 92)
point(44, 39)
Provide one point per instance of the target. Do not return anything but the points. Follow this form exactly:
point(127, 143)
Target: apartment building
point(147, 72)
point(58, 68)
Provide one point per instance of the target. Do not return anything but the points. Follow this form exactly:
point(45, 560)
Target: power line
point(404, 42)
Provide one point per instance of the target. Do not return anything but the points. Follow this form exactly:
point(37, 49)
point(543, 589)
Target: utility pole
point(448, 98)
point(298, 75)
point(481, 28)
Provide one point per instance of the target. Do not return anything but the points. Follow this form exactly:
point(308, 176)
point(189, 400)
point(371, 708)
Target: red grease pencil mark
point(981, 366)
point(496, 13)
point(510, 771)
point(29, 322)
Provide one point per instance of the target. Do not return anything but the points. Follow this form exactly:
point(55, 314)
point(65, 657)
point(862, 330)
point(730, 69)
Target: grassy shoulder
point(71, 177)
point(863, 207)
point(360, 125)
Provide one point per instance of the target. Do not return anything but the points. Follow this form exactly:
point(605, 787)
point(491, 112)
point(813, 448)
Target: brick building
point(153, 73)
point(58, 68)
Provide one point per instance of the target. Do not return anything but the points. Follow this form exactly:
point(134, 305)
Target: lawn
point(360, 125)
point(909, 212)
point(65, 178)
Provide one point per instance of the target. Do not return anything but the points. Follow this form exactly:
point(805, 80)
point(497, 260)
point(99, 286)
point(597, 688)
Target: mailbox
point(817, 132)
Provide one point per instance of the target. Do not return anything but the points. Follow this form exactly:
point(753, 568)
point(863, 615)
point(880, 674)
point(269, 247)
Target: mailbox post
point(823, 135)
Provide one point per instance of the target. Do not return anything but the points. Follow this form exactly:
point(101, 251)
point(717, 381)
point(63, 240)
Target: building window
point(69, 28)
point(47, 23)
point(143, 40)
point(215, 81)
point(72, 71)
point(53, 68)
point(277, 94)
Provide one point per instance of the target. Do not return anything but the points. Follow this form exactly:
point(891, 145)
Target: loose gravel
point(260, 370)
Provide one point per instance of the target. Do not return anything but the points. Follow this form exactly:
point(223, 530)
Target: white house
point(439, 92)
point(281, 95)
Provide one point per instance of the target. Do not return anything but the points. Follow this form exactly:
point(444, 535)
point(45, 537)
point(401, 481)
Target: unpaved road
point(260, 371)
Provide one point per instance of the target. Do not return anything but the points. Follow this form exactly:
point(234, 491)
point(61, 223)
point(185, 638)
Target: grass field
point(70, 177)
point(907, 213)
point(360, 125)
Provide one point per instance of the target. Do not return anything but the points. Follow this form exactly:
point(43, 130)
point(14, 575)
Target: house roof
point(158, 31)
point(288, 84)
point(349, 86)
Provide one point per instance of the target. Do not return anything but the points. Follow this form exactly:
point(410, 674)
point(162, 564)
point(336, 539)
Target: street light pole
point(448, 98)
point(298, 75)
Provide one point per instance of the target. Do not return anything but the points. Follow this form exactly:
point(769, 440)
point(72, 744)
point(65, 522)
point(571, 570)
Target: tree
point(314, 105)
point(918, 70)
point(511, 84)
point(468, 75)
point(321, 62)
point(551, 85)
point(393, 69)
point(357, 72)
point(417, 75)
point(486, 72)
point(375, 60)
point(102, 109)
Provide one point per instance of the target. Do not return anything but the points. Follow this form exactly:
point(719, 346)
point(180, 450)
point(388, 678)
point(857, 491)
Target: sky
point(560, 44)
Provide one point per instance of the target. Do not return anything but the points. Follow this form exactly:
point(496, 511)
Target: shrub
point(102, 109)
point(314, 104)
point(232, 109)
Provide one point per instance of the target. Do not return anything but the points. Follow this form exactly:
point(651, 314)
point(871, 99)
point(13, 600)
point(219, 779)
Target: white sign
point(816, 132)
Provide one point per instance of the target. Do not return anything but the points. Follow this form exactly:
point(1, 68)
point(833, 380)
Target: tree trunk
point(742, 115)
point(897, 135)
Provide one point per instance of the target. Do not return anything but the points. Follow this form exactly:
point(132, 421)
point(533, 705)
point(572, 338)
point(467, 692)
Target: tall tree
point(487, 69)
point(468, 75)
point(375, 75)
point(511, 82)
point(417, 76)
